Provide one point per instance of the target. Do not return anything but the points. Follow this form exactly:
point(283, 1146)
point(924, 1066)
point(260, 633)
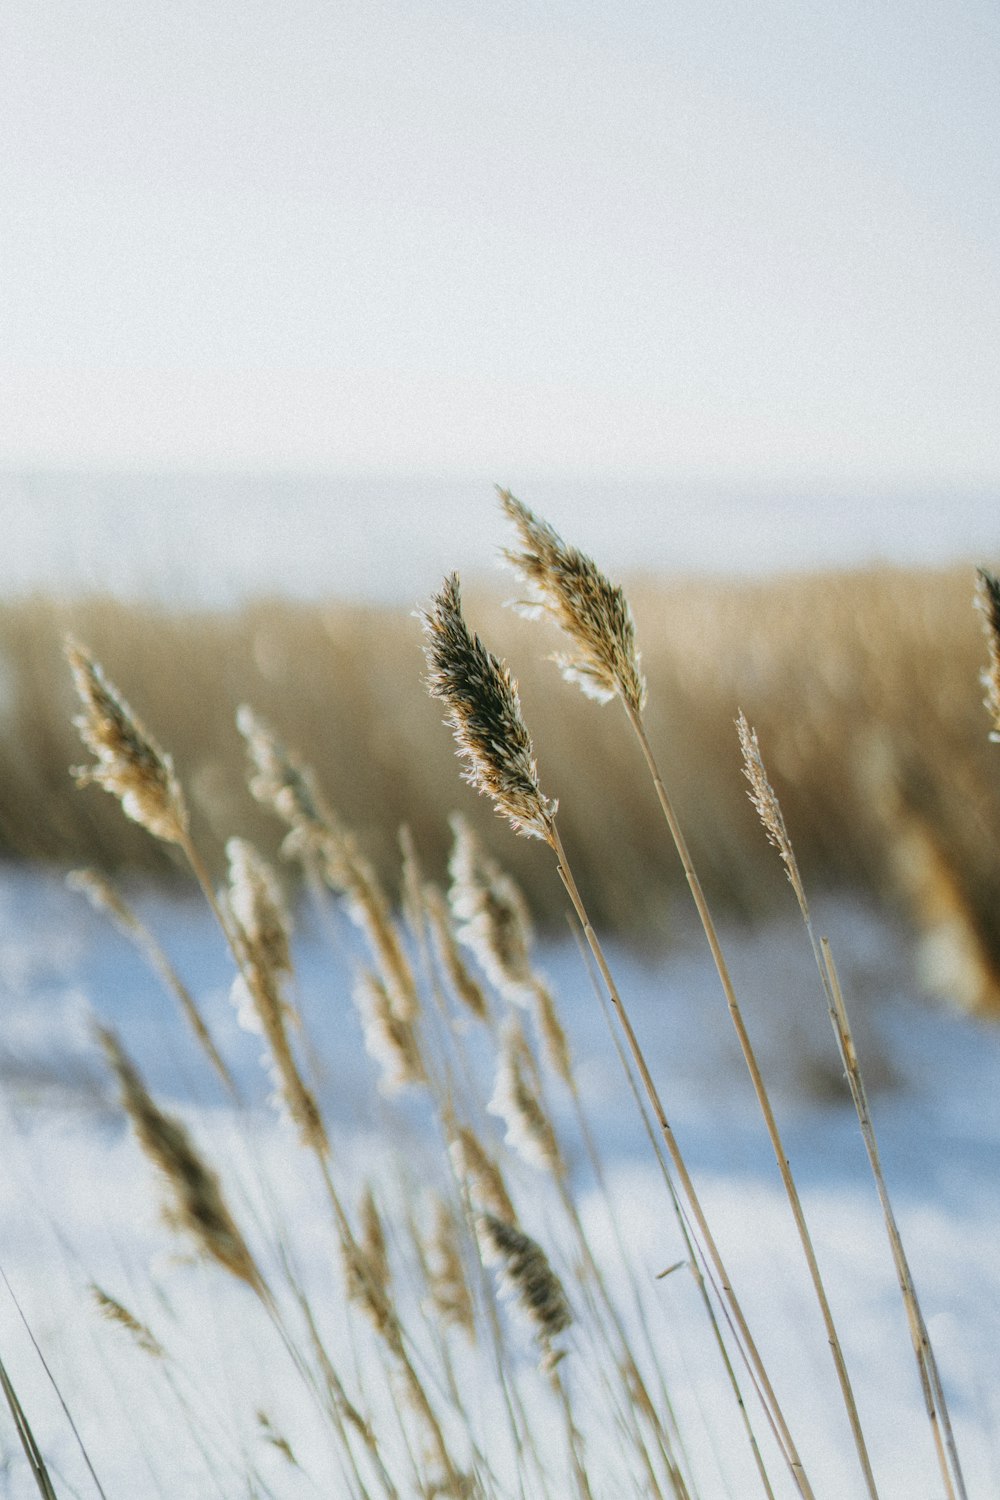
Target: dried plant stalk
point(464, 675)
point(765, 800)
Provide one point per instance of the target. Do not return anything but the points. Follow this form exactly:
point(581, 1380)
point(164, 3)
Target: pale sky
point(706, 240)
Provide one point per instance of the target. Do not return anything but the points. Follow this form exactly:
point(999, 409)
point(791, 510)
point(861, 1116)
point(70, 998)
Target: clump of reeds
point(415, 1025)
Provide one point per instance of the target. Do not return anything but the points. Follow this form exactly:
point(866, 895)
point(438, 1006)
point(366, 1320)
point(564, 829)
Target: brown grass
point(864, 688)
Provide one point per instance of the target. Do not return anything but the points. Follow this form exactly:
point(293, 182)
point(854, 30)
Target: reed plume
point(567, 586)
point(484, 712)
point(530, 1280)
point(128, 762)
point(259, 930)
point(115, 1312)
point(389, 1037)
point(483, 1178)
point(988, 603)
point(197, 1205)
point(529, 1130)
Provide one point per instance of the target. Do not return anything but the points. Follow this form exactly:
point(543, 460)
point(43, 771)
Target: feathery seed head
point(484, 712)
point(113, 1310)
point(765, 800)
point(255, 901)
point(988, 603)
point(492, 916)
point(129, 764)
point(528, 1277)
point(279, 781)
point(567, 586)
point(529, 1131)
point(197, 1205)
point(446, 1277)
point(389, 1037)
point(481, 1175)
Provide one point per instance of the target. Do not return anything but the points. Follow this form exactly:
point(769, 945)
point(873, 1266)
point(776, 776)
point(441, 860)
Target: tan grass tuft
point(492, 916)
point(129, 763)
point(567, 586)
point(264, 961)
point(256, 902)
point(484, 712)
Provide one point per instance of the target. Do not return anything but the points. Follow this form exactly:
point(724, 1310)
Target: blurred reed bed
point(863, 686)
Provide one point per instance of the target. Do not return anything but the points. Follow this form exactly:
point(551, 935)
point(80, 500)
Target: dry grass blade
point(567, 586)
point(484, 712)
point(129, 764)
point(32, 1451)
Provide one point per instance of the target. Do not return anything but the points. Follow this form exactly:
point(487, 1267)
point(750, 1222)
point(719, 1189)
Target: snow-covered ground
point(77, 1202)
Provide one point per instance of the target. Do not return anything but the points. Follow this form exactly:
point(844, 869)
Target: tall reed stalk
point(484, 712)
point(569, 588)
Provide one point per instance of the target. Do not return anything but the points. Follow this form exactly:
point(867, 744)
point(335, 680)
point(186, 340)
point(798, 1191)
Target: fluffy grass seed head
point(128, 762)
point(389, 1037)
point(280, 781)
point(529, 1131)
point(482, 1177)
point(765, 800)
point(988, 603)
point(484, 712)
point(115, 1312)
point(491, 915)
point(567, 586)
point(197, 1205)
point(529, 1279)
point(257, 905)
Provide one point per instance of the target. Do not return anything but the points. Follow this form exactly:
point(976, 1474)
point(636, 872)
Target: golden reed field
point(864, 689)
